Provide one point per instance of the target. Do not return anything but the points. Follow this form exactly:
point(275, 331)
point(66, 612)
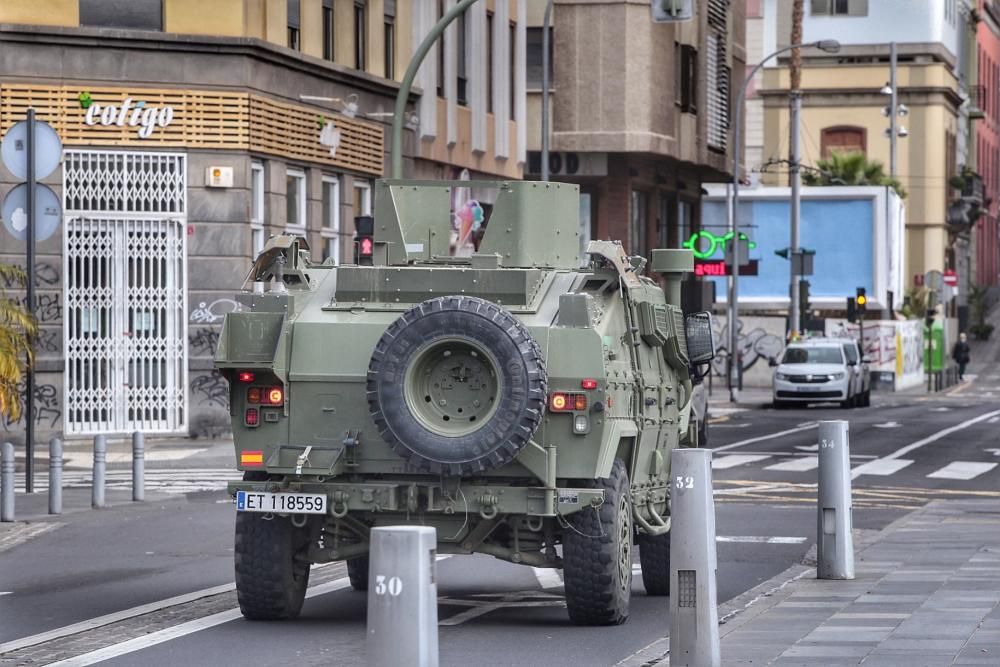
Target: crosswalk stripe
point(962, 470)
point(883, 467)
point(733, 460)
point(799, 464)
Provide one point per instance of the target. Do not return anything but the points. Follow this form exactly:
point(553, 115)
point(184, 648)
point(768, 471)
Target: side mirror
point(851, 363)
point(866, 359)
point(772, 362)
point(700, 342)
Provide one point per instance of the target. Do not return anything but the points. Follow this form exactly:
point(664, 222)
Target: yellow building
point(842, 109)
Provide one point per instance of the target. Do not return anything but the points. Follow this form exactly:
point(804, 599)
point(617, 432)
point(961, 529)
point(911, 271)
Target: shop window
point(328, 31)
point(389, 36)
point(295, 201)
point(257, 207)
point(134, 14)
point(842, 139)
point(640, 213)
point(533, 56)
point(360, 34)
point(294, 25)
point(330, 231)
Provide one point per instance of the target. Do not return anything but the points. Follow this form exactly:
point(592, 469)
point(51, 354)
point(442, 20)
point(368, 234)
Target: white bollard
point(694, 615)
point(100, 461)
point(7, 482)
point(834, 539)
point(402, 597)
point(55, 475)
point(138, 466)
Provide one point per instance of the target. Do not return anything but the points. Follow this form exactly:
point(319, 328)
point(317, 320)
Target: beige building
point(195, 129)
point(640, 112)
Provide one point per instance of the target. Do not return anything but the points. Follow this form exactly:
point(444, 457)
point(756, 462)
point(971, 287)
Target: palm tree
point(17, 329)
point(851, 168)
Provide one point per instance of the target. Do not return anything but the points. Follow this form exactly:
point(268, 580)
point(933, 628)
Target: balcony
point(977, 101)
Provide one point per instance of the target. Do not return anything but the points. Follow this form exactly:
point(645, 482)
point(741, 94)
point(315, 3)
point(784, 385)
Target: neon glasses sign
point(705, 244)
point(136, 114)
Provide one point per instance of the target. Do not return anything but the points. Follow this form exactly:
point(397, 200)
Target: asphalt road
point(491, 612)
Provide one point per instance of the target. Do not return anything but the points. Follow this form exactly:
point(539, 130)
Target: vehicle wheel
point(597, 555)
point(271, 571)
point(849, 403)
point(357, 572)
point(779, 405)
point(866, 399)
point(654, 555)
point(456, 386)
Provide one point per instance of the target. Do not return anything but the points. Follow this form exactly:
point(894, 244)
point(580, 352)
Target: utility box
point(935, 356)
point(218, 177)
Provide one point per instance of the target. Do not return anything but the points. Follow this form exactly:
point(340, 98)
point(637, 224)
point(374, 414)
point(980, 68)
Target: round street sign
point(14, 149)
point(47, 212)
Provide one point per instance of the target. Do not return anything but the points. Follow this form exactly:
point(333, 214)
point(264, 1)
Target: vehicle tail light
point(275, 396)
point(588, 384)
point(251, 417)
point(253, 395)
point(563, 402)
point(253, 458)
point(245, 376)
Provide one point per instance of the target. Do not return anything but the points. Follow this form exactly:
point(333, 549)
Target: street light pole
point(545, 89)
point(828, 45)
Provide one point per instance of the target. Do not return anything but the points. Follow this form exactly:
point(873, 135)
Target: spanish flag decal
point(252, 458)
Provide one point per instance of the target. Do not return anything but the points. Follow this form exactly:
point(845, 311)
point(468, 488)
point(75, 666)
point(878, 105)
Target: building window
point(294, 25)
point(330, 231)
point(295, 201)
point(533, 56)
point(512, 43)
point(845, 7)
point(842, 139)
point(489, 62)
point(663, 220)
point(640, 211)
point(686, 77)
point(328, 31)
point(717, 76)
point(462, 60)
point(440, 54)
point(390, 45)
point(360, 34)
point(362, 198)
point(130, 14)
point(257, 207)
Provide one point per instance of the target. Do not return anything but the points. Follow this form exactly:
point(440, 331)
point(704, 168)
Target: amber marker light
point(252, 458)
point(275, 396)
point(558, 402)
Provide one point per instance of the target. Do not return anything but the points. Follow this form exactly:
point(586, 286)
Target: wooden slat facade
point(202, 119)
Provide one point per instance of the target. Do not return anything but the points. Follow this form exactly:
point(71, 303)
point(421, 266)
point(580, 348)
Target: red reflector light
point(245, 376)
point(562, 402)
point(589, 383)
point(253, 395)
point(275, 396)
point(252, 417)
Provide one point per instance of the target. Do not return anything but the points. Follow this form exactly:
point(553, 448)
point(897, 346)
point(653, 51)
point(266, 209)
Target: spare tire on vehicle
point(456, 385)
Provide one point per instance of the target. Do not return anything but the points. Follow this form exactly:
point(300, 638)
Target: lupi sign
point(134, 114)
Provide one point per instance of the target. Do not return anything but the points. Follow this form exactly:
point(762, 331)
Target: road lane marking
point(902, 451)
point(733, 460)
point(802, 464)
point(993, 420)
point(770, 436)
point(882, 467)
point(888, 425)
point(6, 592)
point(962, 470)
point(547, 577)
point(760, 539)
point(165, 635)
point(108, 619)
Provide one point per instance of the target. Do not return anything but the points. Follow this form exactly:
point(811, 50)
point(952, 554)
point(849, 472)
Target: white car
point(815, 371)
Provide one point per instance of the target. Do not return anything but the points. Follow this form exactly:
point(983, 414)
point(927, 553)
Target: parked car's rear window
point(813, 355)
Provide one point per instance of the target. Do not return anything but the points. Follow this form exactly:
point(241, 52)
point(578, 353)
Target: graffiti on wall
point(203, 341)
point(208, 313)
point(46, 411)
point(759, 339)
point(46, 275)
point(210, 390)
point(895, 347)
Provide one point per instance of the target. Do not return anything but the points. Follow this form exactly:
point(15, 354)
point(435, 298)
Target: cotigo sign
point(131, 113)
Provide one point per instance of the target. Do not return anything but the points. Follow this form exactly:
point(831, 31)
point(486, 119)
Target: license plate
point(808, 389)
point(290, 503)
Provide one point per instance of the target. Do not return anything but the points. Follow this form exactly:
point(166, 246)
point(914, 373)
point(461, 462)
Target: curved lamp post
point(828, 45)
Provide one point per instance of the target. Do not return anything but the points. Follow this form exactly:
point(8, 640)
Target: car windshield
point(812, 355)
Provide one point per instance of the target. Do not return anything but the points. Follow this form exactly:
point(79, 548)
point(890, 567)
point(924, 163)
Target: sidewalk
point(926, 593)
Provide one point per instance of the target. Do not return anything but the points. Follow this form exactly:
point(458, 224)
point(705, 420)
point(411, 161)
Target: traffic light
point(852, 311)
point(861, 300)
point(803, 304)
point(364, 240)
point(671, 11)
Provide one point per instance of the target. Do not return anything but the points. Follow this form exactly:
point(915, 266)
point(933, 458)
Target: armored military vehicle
point(523, 406)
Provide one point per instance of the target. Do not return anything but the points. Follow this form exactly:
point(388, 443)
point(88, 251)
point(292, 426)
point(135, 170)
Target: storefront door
point(125, 292)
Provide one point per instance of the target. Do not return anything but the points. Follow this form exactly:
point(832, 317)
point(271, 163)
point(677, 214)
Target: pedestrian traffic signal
point(861, 300)
point(364, 240)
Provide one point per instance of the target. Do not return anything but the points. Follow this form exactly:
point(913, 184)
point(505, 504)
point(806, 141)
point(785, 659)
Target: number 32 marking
point(683, 482)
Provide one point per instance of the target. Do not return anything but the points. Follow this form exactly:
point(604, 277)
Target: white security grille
point(125, 293)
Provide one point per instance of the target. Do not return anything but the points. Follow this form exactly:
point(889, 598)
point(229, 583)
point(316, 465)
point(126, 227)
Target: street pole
point(893, 112)
point(396, 149)
point(796, 174)
point(29, 401)
point(545, 89)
